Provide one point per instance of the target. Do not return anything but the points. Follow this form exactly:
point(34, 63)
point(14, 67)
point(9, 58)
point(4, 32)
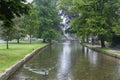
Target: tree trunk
point(7, 47)
point(18, 40)
point(102, 42)
point(30, 39)
point(87, 38)
point(83, 39)
point(92, 40)
point(50, 41)
point(44, 41)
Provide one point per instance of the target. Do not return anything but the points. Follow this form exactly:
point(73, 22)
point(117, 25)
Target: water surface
point(69, 61)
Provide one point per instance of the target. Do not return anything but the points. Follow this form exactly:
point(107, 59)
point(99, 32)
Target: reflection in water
point(65, 63)
point(91, 55)
point(37, 71)
point(96, 66)
point(69, 61)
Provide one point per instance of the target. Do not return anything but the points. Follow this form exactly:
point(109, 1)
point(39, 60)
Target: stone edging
point(104, 52)
point(5, 75)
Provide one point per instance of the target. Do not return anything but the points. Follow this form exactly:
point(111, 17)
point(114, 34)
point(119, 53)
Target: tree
point(7, 32)
point(9, 9)
point(18, 33)
point(115, 42)
point(97, 16)
point(48, 17)
point(49, 35)
point(31, 23)
point(19, 30)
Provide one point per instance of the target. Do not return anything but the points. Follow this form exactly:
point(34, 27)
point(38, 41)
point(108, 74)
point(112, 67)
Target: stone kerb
point(10, 71)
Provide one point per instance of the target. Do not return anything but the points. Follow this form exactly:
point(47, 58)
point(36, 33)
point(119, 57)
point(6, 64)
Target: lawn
point(108, 50)
point(16, 52)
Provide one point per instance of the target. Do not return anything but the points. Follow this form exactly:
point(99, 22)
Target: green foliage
point(7, 33)
point(48, 17)
point(49, 34)
point(31, 22)
point(97, 17)
point(11, 8)
point(19, 30)
point(117, 29)
point(64, 4)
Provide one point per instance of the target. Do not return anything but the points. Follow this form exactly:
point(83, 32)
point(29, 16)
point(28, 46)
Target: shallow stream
point(69, 61)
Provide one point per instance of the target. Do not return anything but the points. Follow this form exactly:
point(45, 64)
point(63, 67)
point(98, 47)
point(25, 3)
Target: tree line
point(37, 19)
point(99, 18)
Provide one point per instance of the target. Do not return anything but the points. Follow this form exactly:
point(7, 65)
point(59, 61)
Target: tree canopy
point(96, 17)
point(11, 8)
point(48, 17)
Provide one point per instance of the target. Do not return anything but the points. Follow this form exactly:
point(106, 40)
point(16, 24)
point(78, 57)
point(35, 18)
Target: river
point(69, 61)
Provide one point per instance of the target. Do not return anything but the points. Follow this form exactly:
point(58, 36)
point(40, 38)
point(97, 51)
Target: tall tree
point(48, 16)
point(31, 23)
point(19, 30)
point(11, 8)
point(97, 16)
point(8, 10)
point(50, 34)
point(7, 32)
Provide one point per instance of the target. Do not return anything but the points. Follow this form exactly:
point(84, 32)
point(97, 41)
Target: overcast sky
point(29, 1)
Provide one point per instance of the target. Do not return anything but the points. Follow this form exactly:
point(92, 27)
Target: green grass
point(16, 52)
point(108, 50)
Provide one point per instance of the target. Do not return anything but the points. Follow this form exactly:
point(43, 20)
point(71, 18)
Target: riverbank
point(109, 51)
point(16, 52)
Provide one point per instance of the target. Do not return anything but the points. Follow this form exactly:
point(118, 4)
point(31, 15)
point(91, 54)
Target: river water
point(69, 61)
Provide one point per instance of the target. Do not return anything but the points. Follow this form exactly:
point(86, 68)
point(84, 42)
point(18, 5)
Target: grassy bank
point(112, 51)
point(109, 50)
point(16, 52)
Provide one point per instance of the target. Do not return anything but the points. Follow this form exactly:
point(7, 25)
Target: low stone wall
point(10, 71)
point(104, 52)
